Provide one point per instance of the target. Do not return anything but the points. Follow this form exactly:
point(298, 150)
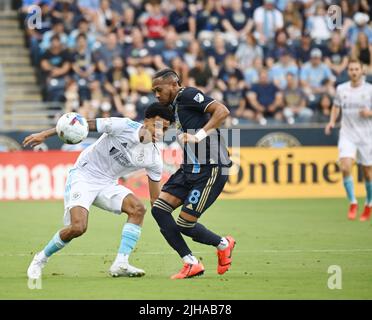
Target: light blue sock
point(349, 187)
point(129, 237)
point(369, 193)
point(54, 245)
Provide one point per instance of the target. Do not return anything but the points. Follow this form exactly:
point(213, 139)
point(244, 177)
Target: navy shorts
point(197, 190)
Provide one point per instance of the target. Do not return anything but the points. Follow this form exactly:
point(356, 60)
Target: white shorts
point(83, 190)
point(362, 152)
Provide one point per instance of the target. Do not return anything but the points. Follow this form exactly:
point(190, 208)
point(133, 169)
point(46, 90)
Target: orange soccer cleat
point(353, 211)
point(366, 213)
point(225, 256)
point(189, 271)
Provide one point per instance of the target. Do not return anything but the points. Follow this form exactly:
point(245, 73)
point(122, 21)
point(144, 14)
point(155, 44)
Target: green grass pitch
point(284, 249)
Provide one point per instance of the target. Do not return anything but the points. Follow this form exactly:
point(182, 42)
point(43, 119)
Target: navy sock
point(198, 232)
point(162, 212)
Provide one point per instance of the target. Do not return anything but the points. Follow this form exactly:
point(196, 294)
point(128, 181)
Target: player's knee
point(77, 230)
point(138, 211)
point(185, 227)
point(345, 169)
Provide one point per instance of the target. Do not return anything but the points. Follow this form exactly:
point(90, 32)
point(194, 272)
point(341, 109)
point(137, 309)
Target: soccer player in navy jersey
point(200, 179)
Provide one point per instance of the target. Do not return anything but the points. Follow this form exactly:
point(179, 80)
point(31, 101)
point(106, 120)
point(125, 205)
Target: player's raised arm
point(37, 138)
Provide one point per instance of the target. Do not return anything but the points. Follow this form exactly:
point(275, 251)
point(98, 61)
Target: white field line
point(336, 251)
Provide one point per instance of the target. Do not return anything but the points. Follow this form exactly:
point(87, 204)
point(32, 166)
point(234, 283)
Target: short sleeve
point(195, 99)
point(115, 126)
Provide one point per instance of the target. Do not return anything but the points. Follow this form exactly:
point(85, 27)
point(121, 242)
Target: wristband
point(200, 135)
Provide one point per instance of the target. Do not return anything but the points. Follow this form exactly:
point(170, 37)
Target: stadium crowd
point(269, 61)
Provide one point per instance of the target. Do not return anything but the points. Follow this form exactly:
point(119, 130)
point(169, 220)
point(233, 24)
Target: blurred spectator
point(223, 47)
point(303, 49)
point(251, 74)
point(347, 9)
point(192, 52)
point(68, 12)
point(183, 21)
point(82, 66)
point(217, 54)
point(154, 21)
point(278, 73)
point(277, 48)
point(117, 79)
point(229, 69)
point(248, 51)
point(200, 76)
point(293, 22)
point(72, 97)
point(105, 55)
point(140, 81)
point(86, 110)
point(106, 19)
point(88, 7)
point(266, 99)
point(35, 35)
point(208, 19)
point(268, 21)
point(362, 50)
point(83, 28)
point(336, 59)
point(236, 21)
point(128, 23)
point(180, 67)
point(138, 52)
point(316, 77)
point(361, 25)
point(317, 24)
point(294, 100)
point(323, 109)
point(234, 98)
point(140, 84)
point(55, 64)
point(58, 29)
point(167, 52)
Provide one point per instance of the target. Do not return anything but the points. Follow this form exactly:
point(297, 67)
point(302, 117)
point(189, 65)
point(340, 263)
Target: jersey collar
point(174, 102)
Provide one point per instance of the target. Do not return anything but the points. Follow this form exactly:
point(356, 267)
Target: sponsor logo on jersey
point(76, 195)
point(199, 98)
point(113, 151)
point(189, 206)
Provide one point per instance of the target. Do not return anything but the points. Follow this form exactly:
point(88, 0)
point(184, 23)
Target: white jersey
point(119, 152)
point(352, 100)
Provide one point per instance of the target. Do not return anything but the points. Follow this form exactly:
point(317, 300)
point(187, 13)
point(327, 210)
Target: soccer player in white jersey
point(124, 147)
point(354, 98)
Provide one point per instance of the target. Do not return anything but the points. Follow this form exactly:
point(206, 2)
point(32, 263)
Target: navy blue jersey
point(190, 107)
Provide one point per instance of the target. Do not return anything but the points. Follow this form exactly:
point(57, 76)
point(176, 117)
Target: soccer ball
point(72, 128)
